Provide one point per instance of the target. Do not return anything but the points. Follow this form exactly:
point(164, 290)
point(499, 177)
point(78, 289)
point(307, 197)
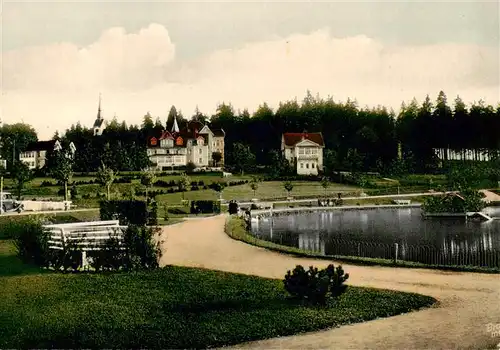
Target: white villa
point(304, 151)
point(194, 144)
point(35, 155)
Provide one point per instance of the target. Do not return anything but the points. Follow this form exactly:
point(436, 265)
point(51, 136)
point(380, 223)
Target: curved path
point(468, 302)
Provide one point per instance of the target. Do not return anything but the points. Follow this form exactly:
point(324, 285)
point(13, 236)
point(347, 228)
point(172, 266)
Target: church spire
point(175, 127)
point(99, 117)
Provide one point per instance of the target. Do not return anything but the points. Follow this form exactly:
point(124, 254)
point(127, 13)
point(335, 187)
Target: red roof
point(166, 135)
point(292, 138)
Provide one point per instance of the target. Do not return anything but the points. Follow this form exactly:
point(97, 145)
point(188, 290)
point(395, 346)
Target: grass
point(236, 229)
point(173, 307)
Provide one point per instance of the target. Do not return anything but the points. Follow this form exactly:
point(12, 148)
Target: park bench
point(86, 236)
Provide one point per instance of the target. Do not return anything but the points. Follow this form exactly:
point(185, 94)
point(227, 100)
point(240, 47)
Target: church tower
point(99, 122)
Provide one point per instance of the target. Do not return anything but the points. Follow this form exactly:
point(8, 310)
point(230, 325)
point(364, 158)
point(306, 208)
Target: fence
point(84, 236)
point(425, 254)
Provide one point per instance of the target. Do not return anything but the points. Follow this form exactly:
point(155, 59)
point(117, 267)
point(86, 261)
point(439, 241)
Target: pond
point(374, 232)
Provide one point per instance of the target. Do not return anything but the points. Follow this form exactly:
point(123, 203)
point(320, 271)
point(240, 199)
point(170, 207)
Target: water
point(362, 232)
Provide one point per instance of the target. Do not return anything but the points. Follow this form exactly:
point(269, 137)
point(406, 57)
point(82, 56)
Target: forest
point(356, 138)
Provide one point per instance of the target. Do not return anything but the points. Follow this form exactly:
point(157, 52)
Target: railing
point(425, 254)
point(84, 236)
point(284, 211)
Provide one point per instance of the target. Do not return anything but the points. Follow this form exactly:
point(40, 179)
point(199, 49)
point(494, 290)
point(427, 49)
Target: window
point(301, 151)
point(312, 165)
point(307, 165)
point(302, 165)
point(201, 151)
point(308, 151)
point(201, 161)
point(314, 151)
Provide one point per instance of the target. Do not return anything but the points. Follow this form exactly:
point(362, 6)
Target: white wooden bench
point(86, 236)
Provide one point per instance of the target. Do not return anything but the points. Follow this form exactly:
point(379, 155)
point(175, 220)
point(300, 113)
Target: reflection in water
point(315, 231)
point(312, 243)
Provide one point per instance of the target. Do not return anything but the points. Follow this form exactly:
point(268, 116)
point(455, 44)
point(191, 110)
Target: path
point(467, 301)
point(490, 196)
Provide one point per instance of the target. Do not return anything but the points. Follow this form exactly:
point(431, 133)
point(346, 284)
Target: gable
point(205, 130)
point(307, 143)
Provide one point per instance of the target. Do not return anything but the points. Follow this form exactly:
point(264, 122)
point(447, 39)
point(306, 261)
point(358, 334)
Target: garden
point(140, 304)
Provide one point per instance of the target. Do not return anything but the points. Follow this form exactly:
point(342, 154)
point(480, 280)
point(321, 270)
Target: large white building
point(35, 155)
point(304, 151)
point(195, 144)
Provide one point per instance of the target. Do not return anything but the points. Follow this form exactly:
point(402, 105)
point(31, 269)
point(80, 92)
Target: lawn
point(266, 190)
point(173, 307)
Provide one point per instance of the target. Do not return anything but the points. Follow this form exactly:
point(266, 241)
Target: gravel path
point(468, 302)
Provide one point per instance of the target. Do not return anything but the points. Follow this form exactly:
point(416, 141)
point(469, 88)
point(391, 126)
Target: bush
point(205, 207)
point(138, 251)
point(30, 240)
point(316, 286)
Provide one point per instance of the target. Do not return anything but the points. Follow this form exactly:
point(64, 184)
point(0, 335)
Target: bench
point(86, 236)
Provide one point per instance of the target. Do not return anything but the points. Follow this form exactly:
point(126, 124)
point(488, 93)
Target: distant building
point(35, 155)
point(465, 154)
point(304, 151)
point(99, 122)
point(195, 143)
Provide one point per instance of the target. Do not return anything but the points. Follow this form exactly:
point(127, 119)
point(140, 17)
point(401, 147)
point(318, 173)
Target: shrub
point(30, 240)
point(316, 286)
point(205, 207)
point(74, 191)
point(138, 251)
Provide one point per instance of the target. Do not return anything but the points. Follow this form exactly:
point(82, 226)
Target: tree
point(288, 186)
point(148, 179)
point(21, 174)
point(106, 177)
point(325, 183)
point(216, 157)
point(254, 184)
point(218, 187)
point(183, 184)
point(242, 157)
point(190, 167)
point(147, 122)
point(62, 168)
point(14, 139)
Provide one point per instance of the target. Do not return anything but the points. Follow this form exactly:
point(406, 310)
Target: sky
point(58, 56)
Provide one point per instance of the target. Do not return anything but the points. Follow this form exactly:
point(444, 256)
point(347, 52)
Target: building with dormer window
point(194, 144)
point(304, 151)
point(35, 154)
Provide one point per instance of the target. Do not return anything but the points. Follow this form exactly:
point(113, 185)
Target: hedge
point(205, 207)
point(128, 212)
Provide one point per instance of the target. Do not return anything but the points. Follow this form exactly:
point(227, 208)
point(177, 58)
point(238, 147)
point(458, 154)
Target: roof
point(292, 138)
point(219, 133)
point(40, 146)
point(165, 135)
point(98, 123)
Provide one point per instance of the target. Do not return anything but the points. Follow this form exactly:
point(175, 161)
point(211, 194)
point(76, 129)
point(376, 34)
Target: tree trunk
point(108, 188)
point(146, 194)
point(65, 190)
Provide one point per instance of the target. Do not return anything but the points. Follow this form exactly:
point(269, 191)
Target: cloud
point(56, 85)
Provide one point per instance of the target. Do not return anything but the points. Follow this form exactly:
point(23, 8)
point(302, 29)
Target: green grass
point(235, 228)
point(173, 307)
point(56, 218)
